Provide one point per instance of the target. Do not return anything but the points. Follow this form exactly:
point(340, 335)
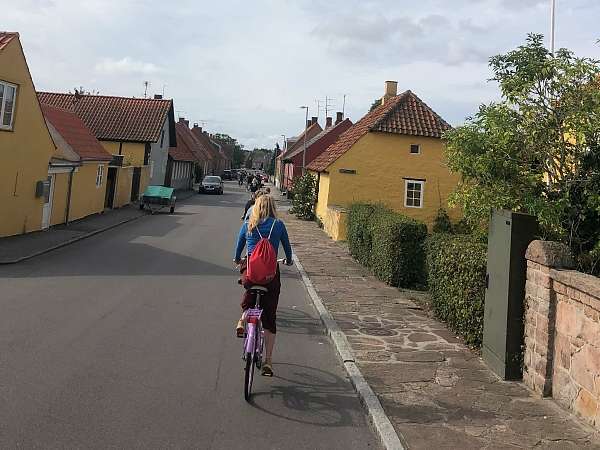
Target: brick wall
point(562, 331)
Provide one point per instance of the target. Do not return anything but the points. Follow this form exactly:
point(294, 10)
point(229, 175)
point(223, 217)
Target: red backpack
point(262, 263)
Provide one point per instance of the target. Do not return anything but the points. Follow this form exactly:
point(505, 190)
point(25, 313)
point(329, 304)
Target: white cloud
point(125, 66)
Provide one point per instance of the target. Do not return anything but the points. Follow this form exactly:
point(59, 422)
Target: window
point(414, 193)
point(415, 149)
point(99, 175)
point(8, 95)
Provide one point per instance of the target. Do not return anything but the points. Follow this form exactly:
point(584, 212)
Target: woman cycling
point(263, 221)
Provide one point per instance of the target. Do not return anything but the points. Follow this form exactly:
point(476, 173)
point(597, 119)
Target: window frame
point(422, 192)
point(99, 175)
point(9, 127)
point(418, 149)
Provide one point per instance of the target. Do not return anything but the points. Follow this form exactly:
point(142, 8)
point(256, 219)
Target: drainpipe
point(68, 209)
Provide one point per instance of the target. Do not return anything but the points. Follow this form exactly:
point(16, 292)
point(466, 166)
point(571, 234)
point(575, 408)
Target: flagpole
point(552, 24)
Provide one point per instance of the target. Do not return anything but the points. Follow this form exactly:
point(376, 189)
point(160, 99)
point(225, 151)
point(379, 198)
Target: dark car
point(212, 184)
point(227, 175)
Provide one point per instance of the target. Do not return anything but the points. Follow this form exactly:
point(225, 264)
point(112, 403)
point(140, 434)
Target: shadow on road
point(309, 395)
point(296, 321)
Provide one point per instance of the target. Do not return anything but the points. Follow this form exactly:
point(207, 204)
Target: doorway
point(111, 184)
point(47, 208)
point(135, 183)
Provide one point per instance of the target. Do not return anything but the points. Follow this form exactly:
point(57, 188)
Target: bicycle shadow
point(309, 396)
point(295, 321)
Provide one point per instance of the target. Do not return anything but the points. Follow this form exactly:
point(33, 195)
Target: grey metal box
point(509, 235)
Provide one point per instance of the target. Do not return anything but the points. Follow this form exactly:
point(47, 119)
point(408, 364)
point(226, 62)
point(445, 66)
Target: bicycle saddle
point(258, 288)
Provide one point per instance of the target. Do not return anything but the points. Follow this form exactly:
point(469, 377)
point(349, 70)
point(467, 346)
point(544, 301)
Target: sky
point(245, 67)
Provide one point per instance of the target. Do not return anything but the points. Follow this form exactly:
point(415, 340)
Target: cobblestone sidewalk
point(437, 393)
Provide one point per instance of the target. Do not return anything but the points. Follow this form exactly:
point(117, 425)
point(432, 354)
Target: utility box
point(509, 236)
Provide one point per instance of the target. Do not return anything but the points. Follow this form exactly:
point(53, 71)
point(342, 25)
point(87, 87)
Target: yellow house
point(130, 129)
point(394, 155)
point(80, 170)
point(25, 145)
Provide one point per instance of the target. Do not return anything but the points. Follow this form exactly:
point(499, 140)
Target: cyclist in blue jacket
point(263, 221)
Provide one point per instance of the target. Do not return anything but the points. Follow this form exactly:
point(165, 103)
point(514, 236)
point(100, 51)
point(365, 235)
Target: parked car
point(211, 183)
point(227, 175)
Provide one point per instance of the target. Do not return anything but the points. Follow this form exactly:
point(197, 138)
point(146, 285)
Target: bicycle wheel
point(248, 376)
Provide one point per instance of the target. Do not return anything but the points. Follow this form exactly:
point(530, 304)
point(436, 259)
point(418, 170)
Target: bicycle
point(254, 339)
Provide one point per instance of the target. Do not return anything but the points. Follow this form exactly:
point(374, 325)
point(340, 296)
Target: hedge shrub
point(397, 253)
point(303, 196)
point(388, 243)
point(456, 268)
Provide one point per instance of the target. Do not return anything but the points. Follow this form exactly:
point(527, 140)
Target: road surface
point(125, 340)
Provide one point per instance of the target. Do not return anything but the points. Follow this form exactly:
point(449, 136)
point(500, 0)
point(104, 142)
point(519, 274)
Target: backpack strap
point(271, 230)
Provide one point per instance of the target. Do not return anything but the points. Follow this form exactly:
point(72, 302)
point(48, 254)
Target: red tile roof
point(403, 114)
point(115, 118)
point(334, 129)
point(313, 130)
point(181, 153)
point(187, 142)
point(6, 37)
point(76, 134)
point(206, 144)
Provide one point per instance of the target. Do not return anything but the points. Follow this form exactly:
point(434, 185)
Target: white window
point(99, 175)
point(413, 197)
point(8, 98)
point(415, 149)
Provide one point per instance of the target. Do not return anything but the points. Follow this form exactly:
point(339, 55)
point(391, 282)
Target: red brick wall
point(562, 331)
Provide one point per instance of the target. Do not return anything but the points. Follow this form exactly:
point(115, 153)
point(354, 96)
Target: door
point(47, 208)
point(135, 184)
point(111, 183)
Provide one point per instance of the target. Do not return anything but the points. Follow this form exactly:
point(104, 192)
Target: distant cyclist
point(262, 222)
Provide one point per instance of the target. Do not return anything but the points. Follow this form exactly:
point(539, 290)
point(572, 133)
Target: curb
point(70, 241)
point(379, 419)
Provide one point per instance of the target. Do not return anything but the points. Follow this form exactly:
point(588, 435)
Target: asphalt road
point(125, 340)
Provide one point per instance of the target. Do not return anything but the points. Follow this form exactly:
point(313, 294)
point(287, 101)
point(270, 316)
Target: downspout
point(68, 209)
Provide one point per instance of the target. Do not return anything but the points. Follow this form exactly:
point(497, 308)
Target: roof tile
point(6, 37)
point(403, 114)
point(115, 118)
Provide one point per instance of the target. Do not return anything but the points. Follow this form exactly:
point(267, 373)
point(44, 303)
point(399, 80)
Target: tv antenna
point(344, 106)
point(146, 83)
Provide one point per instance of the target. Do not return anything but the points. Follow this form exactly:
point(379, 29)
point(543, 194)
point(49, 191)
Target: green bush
point(359, 231)
point(441, 223)
point(303, 197)
point(388, 243)
point(397, 253)
point(456, 269)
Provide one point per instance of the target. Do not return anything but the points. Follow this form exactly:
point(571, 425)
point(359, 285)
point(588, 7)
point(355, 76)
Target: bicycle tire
point(248, 376)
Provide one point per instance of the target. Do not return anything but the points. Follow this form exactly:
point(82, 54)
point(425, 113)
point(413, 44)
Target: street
point(126, 340)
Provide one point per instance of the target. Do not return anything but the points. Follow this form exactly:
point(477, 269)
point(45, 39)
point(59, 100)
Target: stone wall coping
point(583, 282)
point(551, 254)
point(338, 208)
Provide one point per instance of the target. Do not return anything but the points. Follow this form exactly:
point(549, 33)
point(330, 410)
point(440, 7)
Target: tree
point(304, 192)
point(238, 157)
point(276, 153)
point(375, 104)
point(537, 150)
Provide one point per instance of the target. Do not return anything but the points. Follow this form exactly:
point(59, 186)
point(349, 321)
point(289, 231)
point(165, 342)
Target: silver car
point(212, 184)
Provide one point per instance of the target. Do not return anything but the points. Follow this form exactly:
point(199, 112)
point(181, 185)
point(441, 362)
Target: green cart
point(158, 197)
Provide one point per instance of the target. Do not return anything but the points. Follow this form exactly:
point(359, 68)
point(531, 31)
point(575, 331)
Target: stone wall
point(562, 331)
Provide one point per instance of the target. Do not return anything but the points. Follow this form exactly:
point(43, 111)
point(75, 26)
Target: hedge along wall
point(456, 268)
point(389, 243)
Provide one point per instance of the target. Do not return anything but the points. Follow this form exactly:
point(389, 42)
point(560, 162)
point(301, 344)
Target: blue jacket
point(279, 234)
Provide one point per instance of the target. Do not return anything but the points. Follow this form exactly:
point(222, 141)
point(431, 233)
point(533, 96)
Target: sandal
point(267, 370)
point(239, 330)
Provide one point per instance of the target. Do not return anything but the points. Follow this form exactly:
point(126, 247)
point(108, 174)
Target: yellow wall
point(133, 152)
point(59, 198)
point(382, 161)
point(123, 191)
point(86, 198)
point(24, 152)
point(144, 179)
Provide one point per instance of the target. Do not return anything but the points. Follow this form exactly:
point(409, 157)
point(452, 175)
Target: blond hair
point(263, 207)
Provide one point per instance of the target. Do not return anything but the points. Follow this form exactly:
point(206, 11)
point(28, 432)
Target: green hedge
point(456, 268)
point(389, 243)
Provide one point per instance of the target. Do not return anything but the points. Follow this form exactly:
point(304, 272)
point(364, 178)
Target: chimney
point(328, 122)
point(308, 123)
point(314, 119)
point(157, 97)
point(391, 90)
point(339, 117)
point(184, 121)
